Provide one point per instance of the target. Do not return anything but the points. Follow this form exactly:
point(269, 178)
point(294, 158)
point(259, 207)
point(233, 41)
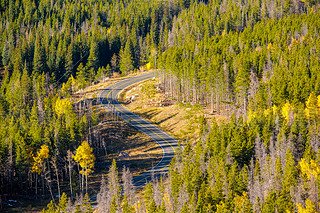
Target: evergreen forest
point(256, 62)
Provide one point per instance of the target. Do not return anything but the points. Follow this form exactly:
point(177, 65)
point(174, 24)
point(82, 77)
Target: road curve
point(109, 99)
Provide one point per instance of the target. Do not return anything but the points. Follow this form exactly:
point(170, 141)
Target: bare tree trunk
point(82, 180)
point(10, 167)
point(217, 102)
point(36, 186)
point(42, 185)
point(212, 105)
point(86, 180)
point(69, 158)
point(54, 163)
point(48, 180)
point(127, 184)
point(194, 92)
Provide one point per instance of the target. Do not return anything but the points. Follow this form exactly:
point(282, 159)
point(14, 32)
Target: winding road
point(109, 99)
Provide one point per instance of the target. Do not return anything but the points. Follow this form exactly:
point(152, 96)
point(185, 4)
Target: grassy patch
point(179, 119)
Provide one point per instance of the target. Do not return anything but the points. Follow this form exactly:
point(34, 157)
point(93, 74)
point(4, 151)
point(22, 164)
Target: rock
point(124, 155)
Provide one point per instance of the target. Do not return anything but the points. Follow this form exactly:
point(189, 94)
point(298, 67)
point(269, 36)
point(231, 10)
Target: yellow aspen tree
point(85, 157)
point(311, 171)
point(42, 155)
point(318, 102)
point(308, 209)
point(287, 112)
point(39, 166)
point(63, 106)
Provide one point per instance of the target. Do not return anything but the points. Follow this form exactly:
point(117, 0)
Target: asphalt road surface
point(109, 98)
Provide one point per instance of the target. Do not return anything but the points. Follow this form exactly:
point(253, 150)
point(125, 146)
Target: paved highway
point(109, 98)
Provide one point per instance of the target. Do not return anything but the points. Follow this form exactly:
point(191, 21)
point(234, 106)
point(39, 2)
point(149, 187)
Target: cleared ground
point(180, 120)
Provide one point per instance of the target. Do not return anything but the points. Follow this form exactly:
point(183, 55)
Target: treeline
point(275, 61)
point(54, 37)
point(50, 50)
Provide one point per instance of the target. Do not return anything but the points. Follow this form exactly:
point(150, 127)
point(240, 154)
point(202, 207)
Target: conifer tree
point(113, 185)
point(5, 54)
point(81, 76)
point(126, 63)
point(39, 59)
point(93, 60)
point(69, 61)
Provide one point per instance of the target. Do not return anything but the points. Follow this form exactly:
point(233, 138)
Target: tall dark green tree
point(69, 62)
point(39, 58)
point(126, 63)
point(93, 60)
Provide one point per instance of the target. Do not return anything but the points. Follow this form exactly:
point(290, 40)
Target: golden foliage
point(311, 169)
point(286, 110)
point(222, 207)
point(310, 207)
point(252, 115)
point(85, 158)
point(241, 202)
point(42, 154)
point(148, 66)
point(63, 106)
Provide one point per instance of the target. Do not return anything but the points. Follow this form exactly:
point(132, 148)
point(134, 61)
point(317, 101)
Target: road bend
point(109, 99)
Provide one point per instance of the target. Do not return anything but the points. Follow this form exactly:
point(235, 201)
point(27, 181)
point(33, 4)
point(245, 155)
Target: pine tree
point(93, 60)
point(25, 85)
point(69, 61)
point(39, 58)
point(113, 184)
point(82, 76)
point(290, 172)
point(241, 87)
point(5, 54)
point(126, 63)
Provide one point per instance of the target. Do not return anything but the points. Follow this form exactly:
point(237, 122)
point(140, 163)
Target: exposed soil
point(181, 120)
point(128, 146)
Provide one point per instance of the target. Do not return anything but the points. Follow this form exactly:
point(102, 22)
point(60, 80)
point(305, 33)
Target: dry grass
point(180, 120)
point(120, 137)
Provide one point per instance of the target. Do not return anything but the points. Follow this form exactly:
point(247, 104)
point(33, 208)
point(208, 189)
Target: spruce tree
point(126, 62)
point(93, 60)
point(69, 62)
point(39, 59)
